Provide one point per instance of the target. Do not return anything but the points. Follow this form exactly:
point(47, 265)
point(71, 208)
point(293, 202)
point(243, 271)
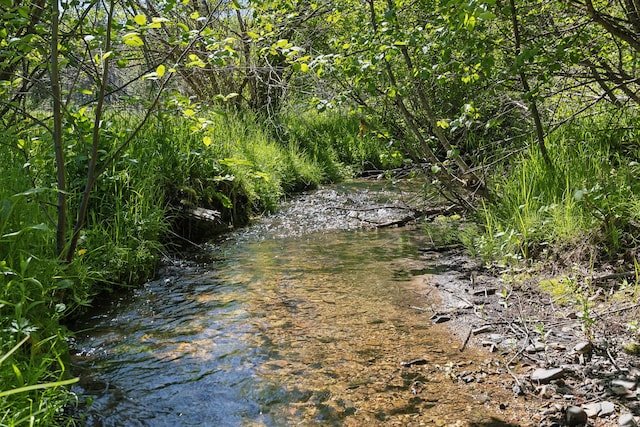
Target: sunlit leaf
point(140, 19)
point(206, 141)
point(132, 39)
point(160, 70)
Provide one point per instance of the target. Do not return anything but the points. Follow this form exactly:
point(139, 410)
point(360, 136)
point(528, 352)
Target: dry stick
point(617, 310)
point(466, 340)
point(613, 362)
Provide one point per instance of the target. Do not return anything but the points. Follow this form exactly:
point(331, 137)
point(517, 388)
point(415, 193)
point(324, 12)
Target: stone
point(496, 338)
point(599, 409)
point(441, 319)
point(575, 416)
point(627, 385)
point(627, 420)
point(584, 347)
point(606, 408)
point(619, 390)
point(545, 376)
point(535, 347)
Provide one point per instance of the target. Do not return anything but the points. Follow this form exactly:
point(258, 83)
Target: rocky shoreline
point(576, 358)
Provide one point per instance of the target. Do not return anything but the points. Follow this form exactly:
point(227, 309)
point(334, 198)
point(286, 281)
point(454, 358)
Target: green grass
point(587, 204)
point(342, 143)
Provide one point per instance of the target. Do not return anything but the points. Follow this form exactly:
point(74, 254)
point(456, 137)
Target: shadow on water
point(309, 329)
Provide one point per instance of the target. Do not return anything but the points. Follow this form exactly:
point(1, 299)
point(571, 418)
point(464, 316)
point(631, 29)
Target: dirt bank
point(568, 341)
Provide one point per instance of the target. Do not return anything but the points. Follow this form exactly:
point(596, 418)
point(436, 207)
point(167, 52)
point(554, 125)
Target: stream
point(304, 318)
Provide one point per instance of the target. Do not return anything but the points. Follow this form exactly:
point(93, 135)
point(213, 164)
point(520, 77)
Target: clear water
point(305, 329)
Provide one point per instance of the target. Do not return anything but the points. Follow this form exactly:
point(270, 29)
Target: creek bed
point(304, 318)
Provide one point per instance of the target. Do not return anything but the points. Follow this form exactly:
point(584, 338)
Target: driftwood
point(417, 214)
point(202, 214)
point(611, 276)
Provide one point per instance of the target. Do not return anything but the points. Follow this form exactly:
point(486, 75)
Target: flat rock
point(599, 409)
point(583, 347)
point(627, 420)
point(544, 376)
point(535, 347)
point(441, 319)
point(625, 384)
point(606, 408)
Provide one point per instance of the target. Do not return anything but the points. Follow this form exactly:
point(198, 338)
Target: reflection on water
point(308, 330)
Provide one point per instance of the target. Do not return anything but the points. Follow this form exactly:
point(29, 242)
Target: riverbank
point(567, 340)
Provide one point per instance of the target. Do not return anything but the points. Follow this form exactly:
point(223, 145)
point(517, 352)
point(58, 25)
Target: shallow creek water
point(270, 327)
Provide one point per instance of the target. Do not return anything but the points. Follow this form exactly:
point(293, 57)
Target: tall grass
point(341, 142)
point(35, 293)
point(586, 205)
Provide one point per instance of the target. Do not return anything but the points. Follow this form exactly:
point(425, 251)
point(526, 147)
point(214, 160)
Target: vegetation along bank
point(117, 118)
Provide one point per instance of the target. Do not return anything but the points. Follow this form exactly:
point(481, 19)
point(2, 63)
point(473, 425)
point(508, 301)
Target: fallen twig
point(466, 340)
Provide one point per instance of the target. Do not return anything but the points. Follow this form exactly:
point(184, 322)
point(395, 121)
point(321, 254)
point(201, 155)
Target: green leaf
point(487, 16)
point(442, 124)
point(37, 227)
point(132, 39)
point(140, 19)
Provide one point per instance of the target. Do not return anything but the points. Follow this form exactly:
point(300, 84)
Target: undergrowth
point(583, 209)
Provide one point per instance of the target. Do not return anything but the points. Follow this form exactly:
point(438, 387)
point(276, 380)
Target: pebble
point(544, 376)
point(606, 408)
point(496, 338)
point(535, 347)
point(618, 390)
point(575, 416)
point(627, 420)
point(625, 384)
